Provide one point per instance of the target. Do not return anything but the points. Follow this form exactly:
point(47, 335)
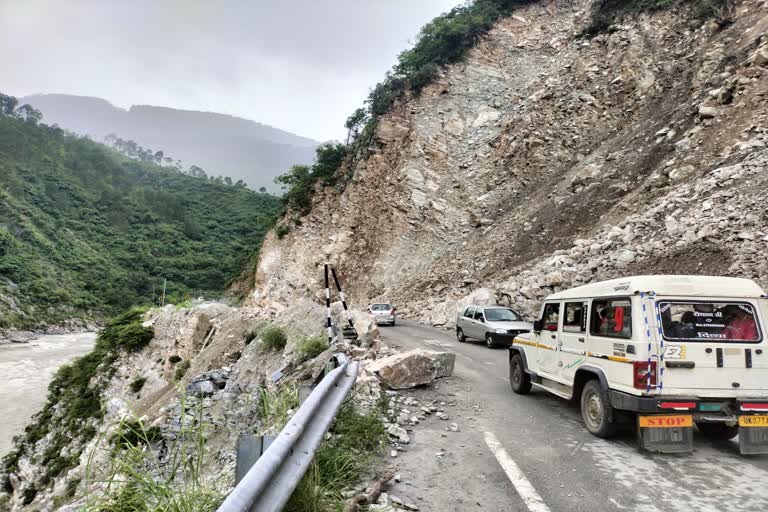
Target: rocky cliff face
point(546, 160)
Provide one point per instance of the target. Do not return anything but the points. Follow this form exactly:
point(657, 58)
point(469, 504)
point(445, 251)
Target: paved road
point(570, 469)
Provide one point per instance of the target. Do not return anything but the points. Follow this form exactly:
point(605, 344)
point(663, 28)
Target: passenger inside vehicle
point(740, 325)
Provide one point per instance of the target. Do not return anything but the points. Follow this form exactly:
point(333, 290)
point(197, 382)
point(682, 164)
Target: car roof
point(680, 286)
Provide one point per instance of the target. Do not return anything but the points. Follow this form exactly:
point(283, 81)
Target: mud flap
point(753, 435)
point(665, 433)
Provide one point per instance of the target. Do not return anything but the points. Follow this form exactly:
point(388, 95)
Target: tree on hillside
point(355, 123)
point(7, 104)
point(29, 114)
point(263, 190)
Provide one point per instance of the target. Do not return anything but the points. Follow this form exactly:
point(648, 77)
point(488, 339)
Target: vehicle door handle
point(680, 364)
point(581, 340)
point(554, 336)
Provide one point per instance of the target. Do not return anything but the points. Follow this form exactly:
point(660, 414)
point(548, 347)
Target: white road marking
point(524, 488)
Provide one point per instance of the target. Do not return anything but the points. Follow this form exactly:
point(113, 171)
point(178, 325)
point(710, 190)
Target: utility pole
point(165, 281)
point(153, 294)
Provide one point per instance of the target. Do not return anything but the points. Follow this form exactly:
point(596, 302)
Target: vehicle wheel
point(460, 336)
point(718, 431)
point(489, 341)
point(596, 411)
point(518, 379)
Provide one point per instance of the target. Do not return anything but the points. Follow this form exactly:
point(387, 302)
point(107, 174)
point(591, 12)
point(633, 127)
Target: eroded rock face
point(546, 161)
point(412, 368)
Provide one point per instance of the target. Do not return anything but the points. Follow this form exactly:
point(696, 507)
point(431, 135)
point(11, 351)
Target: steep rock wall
point(546, 160)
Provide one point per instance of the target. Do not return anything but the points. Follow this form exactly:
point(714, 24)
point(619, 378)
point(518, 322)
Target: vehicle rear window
point(501, 315)
point(611, 318)
point(381, 307)
point(709, 321)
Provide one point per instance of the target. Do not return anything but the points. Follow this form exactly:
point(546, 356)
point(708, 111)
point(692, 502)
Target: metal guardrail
point(271, 481)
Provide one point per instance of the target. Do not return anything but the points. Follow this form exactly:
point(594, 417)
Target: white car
point(668, 351)
point(383, 313)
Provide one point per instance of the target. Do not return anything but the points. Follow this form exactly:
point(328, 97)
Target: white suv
point(670, 351)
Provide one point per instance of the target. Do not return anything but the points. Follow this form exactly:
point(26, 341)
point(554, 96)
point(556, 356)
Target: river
point(26, 369)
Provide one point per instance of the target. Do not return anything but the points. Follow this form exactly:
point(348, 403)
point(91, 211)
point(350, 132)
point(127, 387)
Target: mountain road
point(521, 453)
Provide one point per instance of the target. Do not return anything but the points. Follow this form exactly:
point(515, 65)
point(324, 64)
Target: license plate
point(753, 421)
point(666, 421)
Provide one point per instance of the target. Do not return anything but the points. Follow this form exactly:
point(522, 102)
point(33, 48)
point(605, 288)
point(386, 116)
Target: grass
point(274, 405)
point(311, 347)
point(140, 481)
point(181, 370)
point(137, 384)
point(341, 462)
point(74, 403)
point(273, 338)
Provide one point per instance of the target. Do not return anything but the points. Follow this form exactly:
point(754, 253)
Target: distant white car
point(383, 313)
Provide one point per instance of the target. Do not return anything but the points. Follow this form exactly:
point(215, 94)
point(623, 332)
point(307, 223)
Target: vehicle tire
point(596, 410)
point(460, 335)
point(518, 379)
point(718, 431)
point(489, 341)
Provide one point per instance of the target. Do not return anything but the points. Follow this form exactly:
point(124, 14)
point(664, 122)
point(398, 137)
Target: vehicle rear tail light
point(640, 374)
point(678, 406)
point(754, 407)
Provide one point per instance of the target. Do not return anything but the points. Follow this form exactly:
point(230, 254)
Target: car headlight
point(501, 331)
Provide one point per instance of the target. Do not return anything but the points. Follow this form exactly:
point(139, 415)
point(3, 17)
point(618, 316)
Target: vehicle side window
point(612, 318)
point(478, 314)
point(575, 319)
point(469, 312)
point(551, 316)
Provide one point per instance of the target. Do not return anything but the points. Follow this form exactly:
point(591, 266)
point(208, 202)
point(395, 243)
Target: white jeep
point(670, 350)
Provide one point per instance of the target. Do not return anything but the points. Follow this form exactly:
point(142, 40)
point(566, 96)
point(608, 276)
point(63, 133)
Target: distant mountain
point(220, 144)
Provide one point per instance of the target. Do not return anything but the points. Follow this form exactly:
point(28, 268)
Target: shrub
point(181, 370)
point(273, 338)
point(311, 347)
point(137, 384)
point(607, 12)
point(127, 332)
point(281, 231)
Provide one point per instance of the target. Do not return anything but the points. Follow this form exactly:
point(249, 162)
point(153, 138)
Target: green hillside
point(86, 232)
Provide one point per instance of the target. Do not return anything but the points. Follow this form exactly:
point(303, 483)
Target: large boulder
point(412, 368)
point(367, 330)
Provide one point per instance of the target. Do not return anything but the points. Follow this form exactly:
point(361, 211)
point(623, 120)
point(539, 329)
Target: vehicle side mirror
point(537, 325)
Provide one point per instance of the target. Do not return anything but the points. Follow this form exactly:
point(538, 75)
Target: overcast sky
point(300, 65)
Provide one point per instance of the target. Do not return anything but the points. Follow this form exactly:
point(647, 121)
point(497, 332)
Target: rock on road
point(570, 469)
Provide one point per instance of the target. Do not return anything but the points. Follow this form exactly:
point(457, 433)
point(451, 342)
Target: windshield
point(501, 315)
point(709, 321)
point(381, 307)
